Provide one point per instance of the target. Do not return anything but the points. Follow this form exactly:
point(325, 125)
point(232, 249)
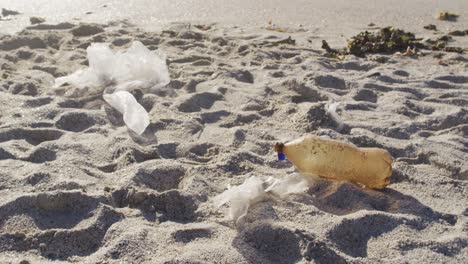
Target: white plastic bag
point(135, 68)
point(241, 197)
point(256, 189)
point(142, 65)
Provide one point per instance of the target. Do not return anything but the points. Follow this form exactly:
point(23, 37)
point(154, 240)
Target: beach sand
point(77, 186)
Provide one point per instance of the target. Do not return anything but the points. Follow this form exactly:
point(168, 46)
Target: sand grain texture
point(77, 186)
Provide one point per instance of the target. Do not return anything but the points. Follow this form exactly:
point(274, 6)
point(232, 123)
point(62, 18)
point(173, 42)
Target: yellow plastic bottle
point(333, 159)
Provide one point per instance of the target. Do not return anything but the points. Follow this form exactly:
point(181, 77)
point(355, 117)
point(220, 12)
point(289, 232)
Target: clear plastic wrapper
point(135, 68)
point(255, 189)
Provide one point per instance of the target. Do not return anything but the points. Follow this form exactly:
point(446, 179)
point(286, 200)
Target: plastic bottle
point(328, 158)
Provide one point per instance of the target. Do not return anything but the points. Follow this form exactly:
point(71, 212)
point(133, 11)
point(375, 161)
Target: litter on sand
point(337, 160)
point(313, 156)
point(256, 189)
point(137, 67)
point(134, 115)
point(447, 16)
point(331, 110)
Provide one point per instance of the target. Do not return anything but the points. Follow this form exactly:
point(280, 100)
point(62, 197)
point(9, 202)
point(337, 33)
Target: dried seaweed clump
point(288, 41)
point(390, 40)
point(441, 44)
point(203, 27)
point(36, 20)
point(334, 53)
point(387, 40)
point(430, 27)
point(447, 16)
point(459, 33)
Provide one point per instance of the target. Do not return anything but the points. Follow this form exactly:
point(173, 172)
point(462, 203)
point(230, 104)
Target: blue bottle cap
point(281, 156)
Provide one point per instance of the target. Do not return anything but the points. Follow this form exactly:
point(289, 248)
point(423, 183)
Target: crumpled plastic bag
point(137, 67)
point(290, 184)
point(256, 189)
point(134, 115)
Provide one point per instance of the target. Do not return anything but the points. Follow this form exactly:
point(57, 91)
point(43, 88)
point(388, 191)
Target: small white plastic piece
point(295, 183)
point(331, 110)
point(256, 189)
point(241, 197)
point(134, 115)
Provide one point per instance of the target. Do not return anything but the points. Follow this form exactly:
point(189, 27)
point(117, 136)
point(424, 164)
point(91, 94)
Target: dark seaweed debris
point(333, 53)
point(36, 20)
point(203, 27)
point(327, 48)
point(459, 33)
point(430, 27)
point(7, 12)
point(288, 41)
point(446, 16)
point(441, 43)
point(387, 40)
